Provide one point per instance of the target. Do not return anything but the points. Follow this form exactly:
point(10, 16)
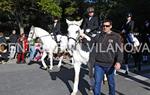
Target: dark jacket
point(91, 24)
point(105, 47)
point(56, 30)
point(2, 39)
point(13, 38)
point(129, 27)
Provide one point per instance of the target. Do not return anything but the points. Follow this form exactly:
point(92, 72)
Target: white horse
point(49, 45)
point(79, 56)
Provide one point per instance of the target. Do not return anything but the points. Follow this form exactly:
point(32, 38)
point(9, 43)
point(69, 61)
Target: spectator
point(22, 48)
point(2, 38)
point(3, 49)
point(32, 49)
point(38, 49)
point(13, 40)
point(3, 53)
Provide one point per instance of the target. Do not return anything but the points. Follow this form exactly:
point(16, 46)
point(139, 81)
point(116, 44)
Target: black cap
point(129, 15)
point(55, 17)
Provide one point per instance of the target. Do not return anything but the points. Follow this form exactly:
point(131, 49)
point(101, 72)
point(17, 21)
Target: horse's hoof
point(51, 68)
point(127, 72)
point(58, 66)
point(73, 93)
point(44, 68)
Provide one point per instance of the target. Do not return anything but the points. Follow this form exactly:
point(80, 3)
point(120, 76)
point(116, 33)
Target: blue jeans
point(32, 52)
point(99, 75)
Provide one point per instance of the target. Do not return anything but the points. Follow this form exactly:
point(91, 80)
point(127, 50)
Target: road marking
point(128, 79)
point(140, 77)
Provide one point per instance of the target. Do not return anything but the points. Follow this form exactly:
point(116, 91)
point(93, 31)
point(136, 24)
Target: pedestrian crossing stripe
point(140, 77)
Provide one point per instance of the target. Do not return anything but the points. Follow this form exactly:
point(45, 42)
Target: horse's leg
point(42, 59)
point(91, 70)
point(137, 62)
point(76, 78)
point(60, 61)
point(51, 60)
point(126, 63)
point(91, 79)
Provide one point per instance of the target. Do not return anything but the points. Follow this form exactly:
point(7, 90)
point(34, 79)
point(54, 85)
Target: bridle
point(77, 39)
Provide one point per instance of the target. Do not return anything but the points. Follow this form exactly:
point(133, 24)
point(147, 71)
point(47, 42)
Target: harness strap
point(72, 39)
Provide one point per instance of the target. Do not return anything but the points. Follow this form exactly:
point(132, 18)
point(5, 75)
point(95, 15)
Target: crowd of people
point(16, 48)
point(102, 63)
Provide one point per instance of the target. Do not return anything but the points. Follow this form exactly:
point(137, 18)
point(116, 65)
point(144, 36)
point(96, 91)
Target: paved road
point(22, 79)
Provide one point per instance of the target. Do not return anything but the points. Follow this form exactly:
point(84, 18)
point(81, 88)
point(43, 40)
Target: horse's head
point(73, 32)
point(31, 34)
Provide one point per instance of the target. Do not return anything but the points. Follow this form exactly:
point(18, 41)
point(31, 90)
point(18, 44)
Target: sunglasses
point(106, 25)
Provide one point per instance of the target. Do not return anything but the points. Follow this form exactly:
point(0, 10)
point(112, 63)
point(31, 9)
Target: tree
point(17, 11)
point(71, 9)
point(51, 6)
point(24, 13)
point(6, 6)
point(5, 9)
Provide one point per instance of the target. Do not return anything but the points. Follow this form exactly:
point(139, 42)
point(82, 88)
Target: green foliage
point(6, 5)
point(51, 7)
point(30, 12)
point(70, 10)
point(103, 7)
point(71, 7)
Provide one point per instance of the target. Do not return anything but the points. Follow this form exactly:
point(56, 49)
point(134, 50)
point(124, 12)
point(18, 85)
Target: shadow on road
point(67, 74)
point(119, 93)
point(148, 89)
